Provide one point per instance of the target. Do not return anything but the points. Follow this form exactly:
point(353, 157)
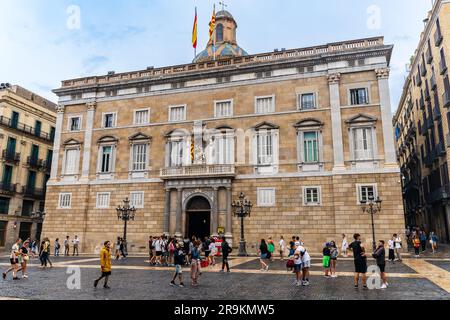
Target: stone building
point(306, 134)
point(27, 130)
point(422, 128)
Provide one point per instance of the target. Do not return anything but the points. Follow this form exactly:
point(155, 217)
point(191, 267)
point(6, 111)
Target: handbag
point(290, 264)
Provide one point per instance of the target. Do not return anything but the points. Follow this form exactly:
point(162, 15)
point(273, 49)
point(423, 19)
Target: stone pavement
point(134, 279)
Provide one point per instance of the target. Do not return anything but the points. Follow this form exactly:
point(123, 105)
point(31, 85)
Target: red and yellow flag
point(194, 31)
point(212, 24)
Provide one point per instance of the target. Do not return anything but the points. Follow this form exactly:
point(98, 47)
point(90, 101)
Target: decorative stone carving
point(189, 192)
point(91, 105)
point(60, 108)
point(383, 73)
point(334, 78)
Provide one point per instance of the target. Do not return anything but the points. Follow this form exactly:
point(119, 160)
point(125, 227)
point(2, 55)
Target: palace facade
point(422, 128)
point(306, 134)
point(27, 130)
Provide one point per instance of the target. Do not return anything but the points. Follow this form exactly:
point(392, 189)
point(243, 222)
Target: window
point(266, 197)
point(137, 199)
point(27, 208)
point(65, 200)
point(223, 108)
point(142, 116)
point(139, 156)
point(176, 153)
point(366, 192)
point(3, 228)
point(223, 148)
point(265, 148)
point(177, 113)
point(37, 128)
point(4, 205)
point(265, 105)
point(109, 120)
point(103, 200)
point(359, 96)
point(363, 143)
point(311, 196)
point(310, 147)
point(74, 123)
point(71, 161)
point(219, 30)
point(307, 101)
point(106, 159)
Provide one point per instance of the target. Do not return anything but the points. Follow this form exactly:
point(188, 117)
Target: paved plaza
point(133, 278)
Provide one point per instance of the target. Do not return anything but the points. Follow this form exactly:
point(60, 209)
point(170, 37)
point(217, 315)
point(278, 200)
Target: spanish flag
point(194, 31)
point(212, 24)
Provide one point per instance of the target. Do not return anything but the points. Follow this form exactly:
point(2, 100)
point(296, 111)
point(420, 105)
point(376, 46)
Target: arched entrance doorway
point(198, 217)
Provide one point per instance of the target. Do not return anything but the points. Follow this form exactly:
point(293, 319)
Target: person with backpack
point(416, 245)
point(334, 253)
point(360, 260)
point(179, 262)
point(226, 250)
point(380, 256)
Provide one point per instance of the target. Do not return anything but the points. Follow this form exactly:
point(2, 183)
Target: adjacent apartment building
point(305, 133)
point(27, 130)
point(422, 128)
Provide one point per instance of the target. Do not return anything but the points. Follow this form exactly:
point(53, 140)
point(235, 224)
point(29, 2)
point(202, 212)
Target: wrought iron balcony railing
point(10, 157)
point(198, 170)
point(7, 122)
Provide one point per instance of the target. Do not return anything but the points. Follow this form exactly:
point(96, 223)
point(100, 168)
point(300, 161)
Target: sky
point(43, 42)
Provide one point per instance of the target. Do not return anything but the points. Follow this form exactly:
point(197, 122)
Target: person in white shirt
point(297, 266)
point(213, 252)
point(14, 259)
point(306, 264)
point(158, 250)
point(344, 246)
point(398, 247)
point(282, 248)
point(75, 243)
point(391, 245)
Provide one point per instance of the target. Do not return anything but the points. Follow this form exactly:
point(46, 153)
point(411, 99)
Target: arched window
point(219, 35)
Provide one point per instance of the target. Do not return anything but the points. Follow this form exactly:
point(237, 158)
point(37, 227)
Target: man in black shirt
point(226, 250)
point(360, 259)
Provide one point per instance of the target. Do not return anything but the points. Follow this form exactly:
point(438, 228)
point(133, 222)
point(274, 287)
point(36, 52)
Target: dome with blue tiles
point(223, 43)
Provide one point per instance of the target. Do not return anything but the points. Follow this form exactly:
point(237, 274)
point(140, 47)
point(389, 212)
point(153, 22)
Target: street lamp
point(125, 213)
point(242, 208)
point(372, 207)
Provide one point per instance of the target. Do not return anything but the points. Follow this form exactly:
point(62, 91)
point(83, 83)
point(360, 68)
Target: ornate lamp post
point(372, 207)
point(242, 208)
point(125, 213)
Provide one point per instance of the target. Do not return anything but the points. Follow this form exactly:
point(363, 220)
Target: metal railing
point(438, 37)
point(8, 188)
point(433, 82)
point(7, 122)
point(442, 66)
point(198, 170)
point(32, 192)
point(35, 163)
point(446, 99)
point(11, 157)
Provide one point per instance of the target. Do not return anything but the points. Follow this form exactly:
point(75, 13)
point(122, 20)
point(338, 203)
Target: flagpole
point(214, 33)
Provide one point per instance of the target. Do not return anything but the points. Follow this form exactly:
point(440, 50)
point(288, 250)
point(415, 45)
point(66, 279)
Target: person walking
point(334, 253)
point(178, 257)
point(213, 252)
point(44, 254)
point(416, 245)
point(67, 246)
point(263, 255)
point(282, 248)
point(171, 247)
point(76, 243)
point(398, 247)
point(57, 247)
point(117, 248)
point(122, 248)
point(423, 240)
point(433, 241)
point(24, 256)
point(360, 260)
point(226, 250)
point(326, 259)
point(344, 246)
point(391, 246)
point(14, 260)
point(195, 259)
point(380, 257)
point(105, 265)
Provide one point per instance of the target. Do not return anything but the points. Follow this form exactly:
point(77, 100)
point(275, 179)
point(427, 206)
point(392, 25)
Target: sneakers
point(305, 283)
point(181, 285)
point(334, 276)
point(299, 284)
point(172, 283)
point(106, 287)
point(16, 278)
point(384, 286)
point(295, 283)
point(267, 268)
point(24, 276)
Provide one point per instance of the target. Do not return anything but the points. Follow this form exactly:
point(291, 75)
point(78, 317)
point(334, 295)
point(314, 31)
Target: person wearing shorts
point(105, 264)
point(306, 265)
point(297, 266)
point(14, 260)
point(326, 259)
point(178, 256)
point(360, 260)
point(263, 253)
point(380, 256)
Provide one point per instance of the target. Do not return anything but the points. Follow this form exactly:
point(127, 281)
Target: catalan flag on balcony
point(194, 31)
point(212, 24)
point(192, 151)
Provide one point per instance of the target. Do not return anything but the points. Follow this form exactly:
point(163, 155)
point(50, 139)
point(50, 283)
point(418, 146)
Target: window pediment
point(265, 126)
point(107, 140)
point(72, 142)
point(309, 123)
point(139, 137)
point(361, 119)
point(177, 133)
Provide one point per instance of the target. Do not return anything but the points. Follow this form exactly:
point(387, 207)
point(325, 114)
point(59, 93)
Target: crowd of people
point(418, 239)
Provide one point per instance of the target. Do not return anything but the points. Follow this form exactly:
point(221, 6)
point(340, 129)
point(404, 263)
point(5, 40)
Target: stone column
point(178, 228)
point(386, 117)
point(88, 140)
point(215, 212)
point(336, 121)
point(167, 214)
point(57, 142)
point(229, 225)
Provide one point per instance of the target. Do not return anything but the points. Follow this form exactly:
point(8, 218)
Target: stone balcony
point(195, 171)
